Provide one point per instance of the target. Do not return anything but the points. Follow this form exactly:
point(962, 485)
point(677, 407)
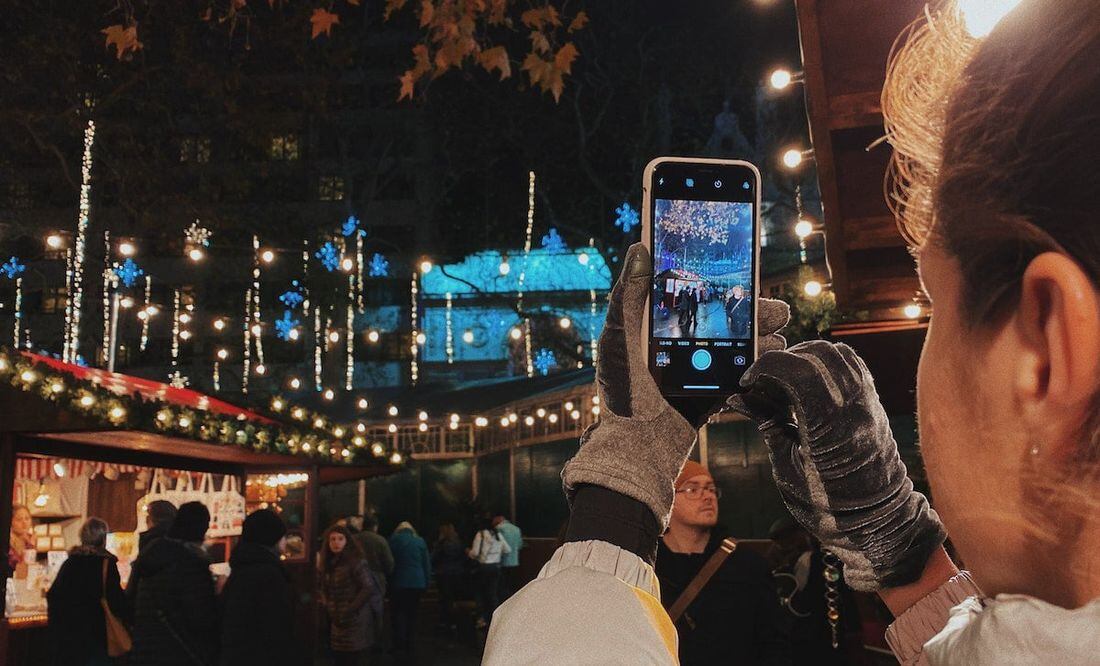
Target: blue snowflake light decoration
point(128, 272)
point(626, 217)
point(379, 267)
point(329, 256)
point(351, 226)
point(292, 297)
point(284, 326)
point(553, 242)
point(13, 268)
point(544, 360)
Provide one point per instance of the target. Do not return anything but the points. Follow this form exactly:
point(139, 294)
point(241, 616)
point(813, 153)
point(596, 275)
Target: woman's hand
point(836, 464)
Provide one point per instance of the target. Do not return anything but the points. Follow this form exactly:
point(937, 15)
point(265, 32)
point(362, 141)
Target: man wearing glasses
point(735, 617)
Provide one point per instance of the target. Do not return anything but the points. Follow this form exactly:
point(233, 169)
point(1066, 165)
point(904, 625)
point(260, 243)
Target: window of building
point(284, 147)
point(195, 149)
point(20, 194)
point(54, 299)
point(330, 188)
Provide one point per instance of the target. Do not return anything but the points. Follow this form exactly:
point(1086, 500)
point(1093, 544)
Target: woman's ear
point(1058, 324)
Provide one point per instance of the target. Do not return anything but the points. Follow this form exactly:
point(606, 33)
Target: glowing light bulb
point(481, 421)
point(256, 329)
point(792, 158)
point(377, 449)
point(596, 410)
point(337, 432)
point(318, 422)
point(184, 422)
point(293, 334)
point(540, 412)
point(298, 413)
point(553, 418)
point(334, 336)
point(223, 353)
point(126, 249)
point(185, 318)
point(152, 310)
point(813, 288)
point(803, 228)
point(295, 383)
point(468, 336)
point(126, 302)
point(575, 414)
point(595, 400)
point(267, 256)
point(277, 405)
point(186, 335)
point(422, 415)
point(981, 16)
point(780, 79)
point(28, 376)
point(362, 404)
point(913, 310)
point(396, 458)
point(347, 264)
point(505, 269)
point(426, 266)
point(87, 401)
point(57, 387)
point(54, 241)
point(516, 333)
point(392, 427)
point(392, 411)
point(261, 368)
point(529, 421)
point(361, 427)
point(59, 468)
point(565, 323)
point(219, 324)
point(568, 405)
point(421, 338)
point(117, 413)
point(513, 417)
point(455, 418)
point(329, 394)
point(423, 427)
point(373, 336)
point(504, 422)
point(196, 254)
point(582, 258)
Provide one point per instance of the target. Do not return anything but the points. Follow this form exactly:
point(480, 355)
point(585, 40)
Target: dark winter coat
point(736, 619)
point(175, 613)
point(150, 535)
point(412, 565)
point(78, 632)
point(348, 594)
point(449, 558)
point(257, 611)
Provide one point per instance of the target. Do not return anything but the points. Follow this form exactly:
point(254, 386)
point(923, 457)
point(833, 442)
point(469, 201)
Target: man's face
point(696, 504)
point(738, 292)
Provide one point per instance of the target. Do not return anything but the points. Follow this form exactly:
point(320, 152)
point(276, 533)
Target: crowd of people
point(173, 610)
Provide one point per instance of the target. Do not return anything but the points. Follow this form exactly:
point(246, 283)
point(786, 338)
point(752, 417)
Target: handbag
point(118, 639)
point(700, 581)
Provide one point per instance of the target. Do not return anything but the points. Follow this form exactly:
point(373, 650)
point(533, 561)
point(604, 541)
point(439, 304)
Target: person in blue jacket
point(412, 570)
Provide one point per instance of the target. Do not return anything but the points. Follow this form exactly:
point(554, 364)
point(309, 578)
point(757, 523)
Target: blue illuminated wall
point(544, 271)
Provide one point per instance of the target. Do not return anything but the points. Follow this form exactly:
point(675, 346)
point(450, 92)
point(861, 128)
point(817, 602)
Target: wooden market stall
point(77, 442)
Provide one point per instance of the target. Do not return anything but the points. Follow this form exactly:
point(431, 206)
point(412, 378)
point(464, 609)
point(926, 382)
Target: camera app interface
point(702, 316)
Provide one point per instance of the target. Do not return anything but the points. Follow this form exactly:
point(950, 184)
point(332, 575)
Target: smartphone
point(701, 223)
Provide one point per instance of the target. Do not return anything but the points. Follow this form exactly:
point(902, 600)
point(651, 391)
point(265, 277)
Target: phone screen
point(704, 245)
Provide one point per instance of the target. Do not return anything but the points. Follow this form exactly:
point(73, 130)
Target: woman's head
point(338, 545)
point(94, 533)
point(20, 519)
point(447, 532)
point(1009, 382)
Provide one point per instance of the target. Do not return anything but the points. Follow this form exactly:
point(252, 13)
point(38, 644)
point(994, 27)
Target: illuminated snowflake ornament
point(329, 256)
point(626, 217)
point(544, 360)
point(197, 236)
point(178, 381)
point(292, 297)
point(379, 267)
point(128, 272)
point(284, 327)
point(553, 242)
point(351, 227)
point(13, 268)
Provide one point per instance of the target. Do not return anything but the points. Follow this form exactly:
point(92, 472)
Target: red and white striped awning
point(36, 469)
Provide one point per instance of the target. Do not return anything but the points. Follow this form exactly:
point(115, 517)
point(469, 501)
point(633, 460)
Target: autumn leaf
point(123, 39)
point(423, 62)
point(496, 11)
point(563, 59)
point(539, 43)
point(427, 11)
point(393, 6)
point(537, 69)
point(496, 58)
point(579, 21)
point(355, 3)
point(322, 21)
point(537, 19)
point(554, 83)
point(408, 85)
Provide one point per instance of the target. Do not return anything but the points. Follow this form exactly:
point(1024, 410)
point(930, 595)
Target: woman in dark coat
point(257, 602)
point(347, 594)
point(449, 561)
point(176, 613)
point(78, 631)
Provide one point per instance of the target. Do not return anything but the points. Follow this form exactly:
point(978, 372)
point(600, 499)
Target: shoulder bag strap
point(701, 579)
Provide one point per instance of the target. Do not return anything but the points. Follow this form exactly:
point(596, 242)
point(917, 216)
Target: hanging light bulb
point(59, 469)
point(329, 394)
point(43, 498)
point(334, 336)
point(293, 334)
point(295, 383)
point(504, 422)
point(582, 258)
point(421, 338)
point(127, 249)
point(185, 318)
point(422, 415)
point(186, 335)
point(552, 418)
point(277, 405)
point(812, 288)
point(529, 420)
point(516, 333)
point(267, 256)
point(396, 458)
point(196, 254)
point(426, 266)
point(261, 369)
point(392, 427)
point(219, 324)
point(423, 427)
point(781, 78)
point(505, 269)
point(373, 336)
point(392, 411)
point(481, 421)
point(362, 404)
point(256, 329)
point(347, 264)
point(792, 158)
point(377, 449)
point(126, 302)
point(913, 310)
point(223, 353)
point(565, 323)
point(803, 228)
point(468, 336)
point(55, 241)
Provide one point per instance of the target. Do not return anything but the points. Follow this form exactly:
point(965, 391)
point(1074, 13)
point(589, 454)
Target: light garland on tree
point(18, 309)
point(414, 369)
point(217, 377)
point(318, 341)
point(67, 345)
point(523, 272)
point(73, 322)
point(349, 373)
point(175, 334)
point(109, 277)
point(592, 311)
point(450, 332)
point(246, 358)
point(148, 315)
point(257, 323)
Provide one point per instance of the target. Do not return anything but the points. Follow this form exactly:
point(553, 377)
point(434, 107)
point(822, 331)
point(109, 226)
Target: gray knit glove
point(836, 464)
point(640, 442)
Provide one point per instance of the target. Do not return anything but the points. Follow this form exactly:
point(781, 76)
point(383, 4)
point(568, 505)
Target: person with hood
point(412, 571)
point(1008, 391)
point(257, 600)
point(176, 612)
point(449, 564)
point(348, 593)
point(78, 628)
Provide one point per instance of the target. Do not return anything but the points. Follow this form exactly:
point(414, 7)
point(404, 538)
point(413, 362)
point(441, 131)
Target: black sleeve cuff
point(604, 515)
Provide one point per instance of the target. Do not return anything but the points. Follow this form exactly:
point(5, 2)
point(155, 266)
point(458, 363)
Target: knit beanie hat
point(691, 470)
point(263, 527)
point(192, 520)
